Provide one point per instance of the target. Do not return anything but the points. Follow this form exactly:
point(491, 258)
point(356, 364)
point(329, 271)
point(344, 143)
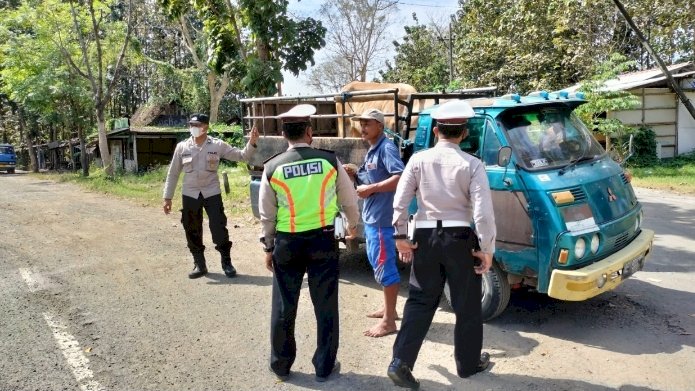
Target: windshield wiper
point(574, 163)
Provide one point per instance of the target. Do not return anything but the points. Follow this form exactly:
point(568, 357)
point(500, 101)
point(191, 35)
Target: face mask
point(195, 131)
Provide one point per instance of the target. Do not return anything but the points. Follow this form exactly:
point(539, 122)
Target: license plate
point(632, 266)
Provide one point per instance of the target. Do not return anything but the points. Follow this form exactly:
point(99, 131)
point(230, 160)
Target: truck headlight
point(595, 241)
point(579, 248)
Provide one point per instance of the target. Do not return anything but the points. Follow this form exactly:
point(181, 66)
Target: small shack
point(659, 107)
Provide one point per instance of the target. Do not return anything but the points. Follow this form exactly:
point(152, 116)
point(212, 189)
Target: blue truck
point(568, 222)
point(8, 158)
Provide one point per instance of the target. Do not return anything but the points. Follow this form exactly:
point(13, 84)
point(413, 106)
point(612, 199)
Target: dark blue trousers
point(443, 254)
point(192, 220)
point(315, 253)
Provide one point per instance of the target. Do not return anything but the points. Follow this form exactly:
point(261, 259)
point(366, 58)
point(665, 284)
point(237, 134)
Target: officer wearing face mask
point(199, 157)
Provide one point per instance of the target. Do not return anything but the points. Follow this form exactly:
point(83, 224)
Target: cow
point(356, 105)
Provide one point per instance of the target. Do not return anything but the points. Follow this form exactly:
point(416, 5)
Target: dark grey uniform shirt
point(199, 166)
point(450, 185)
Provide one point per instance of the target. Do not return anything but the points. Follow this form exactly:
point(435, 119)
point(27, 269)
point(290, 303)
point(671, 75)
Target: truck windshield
point(5, 150)
point(548, 137)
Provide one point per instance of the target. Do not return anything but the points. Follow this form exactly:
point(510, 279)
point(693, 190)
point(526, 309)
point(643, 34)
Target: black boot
point(227, 266)
point(400, 374)
point(199, 268)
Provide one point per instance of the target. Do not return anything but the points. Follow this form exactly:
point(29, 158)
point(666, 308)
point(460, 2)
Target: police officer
point(301, 190)
point(452, 190)
point(199, 157)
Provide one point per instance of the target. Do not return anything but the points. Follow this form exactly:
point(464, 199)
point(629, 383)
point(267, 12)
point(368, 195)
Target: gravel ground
point(95, 295)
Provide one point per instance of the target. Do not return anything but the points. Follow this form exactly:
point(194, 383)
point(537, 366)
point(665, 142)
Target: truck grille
point(621, 241)
point(578, 193)
point(624, 177)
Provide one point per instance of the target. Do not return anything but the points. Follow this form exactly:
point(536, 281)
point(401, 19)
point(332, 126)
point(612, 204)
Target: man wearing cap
point(452, 191)
point(301, 192)
point(199, 157)
point(376, 183)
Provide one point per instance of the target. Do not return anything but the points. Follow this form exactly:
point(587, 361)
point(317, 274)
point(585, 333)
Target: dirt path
point(110, 275)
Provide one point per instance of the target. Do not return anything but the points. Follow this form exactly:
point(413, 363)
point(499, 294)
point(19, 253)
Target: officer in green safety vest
point(302, 190)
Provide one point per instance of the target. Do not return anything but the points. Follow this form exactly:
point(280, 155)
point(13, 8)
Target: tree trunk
point(217, 92)
point(84, 162)
point(106, 160)
point(27, 139)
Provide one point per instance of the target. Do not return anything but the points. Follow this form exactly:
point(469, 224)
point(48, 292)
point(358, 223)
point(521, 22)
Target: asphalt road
point(94, 295)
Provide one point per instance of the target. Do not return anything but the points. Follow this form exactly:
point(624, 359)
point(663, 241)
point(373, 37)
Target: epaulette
point(326, 150)
point(272, 157)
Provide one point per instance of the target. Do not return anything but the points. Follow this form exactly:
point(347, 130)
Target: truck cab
point(568, 221)
point(8, 158)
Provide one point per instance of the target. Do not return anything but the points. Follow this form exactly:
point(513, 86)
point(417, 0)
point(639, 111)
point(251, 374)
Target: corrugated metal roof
point(646, 78)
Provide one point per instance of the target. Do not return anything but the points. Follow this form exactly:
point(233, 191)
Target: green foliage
point(644, 148)
point(235, 140)
point(35, 73)
point(602, 100)
point(273, 40)
point(421, 59)
point(674, 174)
point(146, 187)
point(527, 45)
point(262, 77)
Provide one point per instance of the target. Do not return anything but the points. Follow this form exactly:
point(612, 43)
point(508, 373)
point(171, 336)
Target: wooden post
point(225, 180)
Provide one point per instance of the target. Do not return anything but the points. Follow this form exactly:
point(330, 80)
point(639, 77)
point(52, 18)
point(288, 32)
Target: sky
point(426, 11)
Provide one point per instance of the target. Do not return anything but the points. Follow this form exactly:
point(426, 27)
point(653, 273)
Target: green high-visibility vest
point(304, 182)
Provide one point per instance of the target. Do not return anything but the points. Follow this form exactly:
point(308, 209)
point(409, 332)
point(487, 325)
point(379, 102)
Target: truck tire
point(495, 293)
point(10, 170)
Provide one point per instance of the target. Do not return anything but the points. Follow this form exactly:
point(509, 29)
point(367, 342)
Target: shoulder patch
point(326, 150)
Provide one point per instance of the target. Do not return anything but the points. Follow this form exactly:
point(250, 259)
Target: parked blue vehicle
point(8, 158)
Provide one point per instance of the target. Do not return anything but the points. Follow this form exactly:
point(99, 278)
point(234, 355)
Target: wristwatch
point(400, 236)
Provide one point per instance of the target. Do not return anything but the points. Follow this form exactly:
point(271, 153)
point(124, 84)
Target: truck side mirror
point(503, 156)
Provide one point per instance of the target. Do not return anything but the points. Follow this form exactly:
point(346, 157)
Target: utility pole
point(450, 45)
point(681, 95)
point(451, 53)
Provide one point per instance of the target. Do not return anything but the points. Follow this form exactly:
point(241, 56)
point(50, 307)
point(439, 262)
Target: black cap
point(199, 118)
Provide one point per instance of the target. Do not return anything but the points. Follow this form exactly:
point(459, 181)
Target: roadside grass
point(146, 188)
point(675, 175)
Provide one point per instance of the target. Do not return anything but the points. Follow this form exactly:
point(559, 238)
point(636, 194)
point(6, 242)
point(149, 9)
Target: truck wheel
point(495, 292)
point(10, 170)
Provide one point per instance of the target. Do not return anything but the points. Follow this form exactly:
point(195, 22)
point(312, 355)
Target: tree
point(97, 30)
point(421, 59)
point(361, 41)
point(43, 89)
point(526, 45)
point(602, 100)
point(248, 42)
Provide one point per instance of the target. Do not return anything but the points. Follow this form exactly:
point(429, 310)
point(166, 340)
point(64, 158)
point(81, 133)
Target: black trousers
point(443, 254)
point(315, 253)
point(192, 220)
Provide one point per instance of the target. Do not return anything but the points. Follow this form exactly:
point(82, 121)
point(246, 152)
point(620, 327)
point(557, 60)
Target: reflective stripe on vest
point(306, 195)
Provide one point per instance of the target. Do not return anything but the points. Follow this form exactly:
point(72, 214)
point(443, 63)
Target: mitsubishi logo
point(611, 197)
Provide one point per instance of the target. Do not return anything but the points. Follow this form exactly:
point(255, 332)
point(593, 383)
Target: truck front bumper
point(602, 276)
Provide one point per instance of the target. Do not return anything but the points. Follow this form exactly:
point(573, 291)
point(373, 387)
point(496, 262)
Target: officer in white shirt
point(452, 191)
point(199, 157)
